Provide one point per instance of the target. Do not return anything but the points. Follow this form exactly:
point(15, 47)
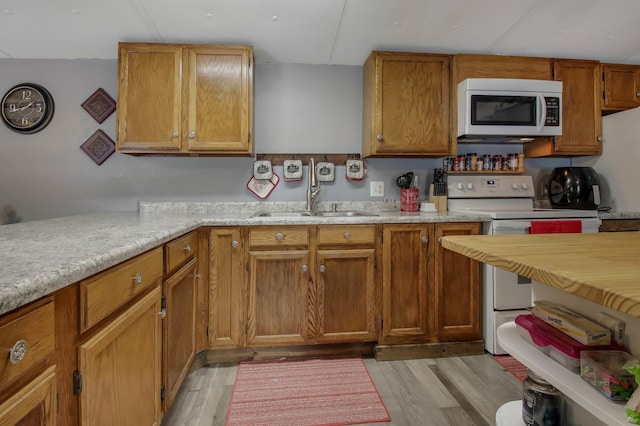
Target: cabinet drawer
point(32, 336)
point(347, 234)
point(107, 291)
point(279, 236)
point(178, 251)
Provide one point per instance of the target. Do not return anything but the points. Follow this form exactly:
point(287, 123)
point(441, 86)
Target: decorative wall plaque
point(99, 147)
point(99, 105)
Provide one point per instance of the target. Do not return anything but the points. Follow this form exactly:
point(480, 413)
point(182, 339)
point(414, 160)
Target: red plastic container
point(554, 343)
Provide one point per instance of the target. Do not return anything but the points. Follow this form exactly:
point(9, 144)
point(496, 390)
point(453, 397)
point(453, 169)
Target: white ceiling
point(326, 31)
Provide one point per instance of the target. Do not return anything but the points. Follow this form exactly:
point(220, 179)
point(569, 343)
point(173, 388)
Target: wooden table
point(601, 267)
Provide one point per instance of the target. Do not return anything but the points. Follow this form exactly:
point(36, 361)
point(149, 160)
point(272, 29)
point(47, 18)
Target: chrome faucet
point(313, 189)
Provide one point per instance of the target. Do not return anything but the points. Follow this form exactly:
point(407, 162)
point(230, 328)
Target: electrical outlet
point(376, 189)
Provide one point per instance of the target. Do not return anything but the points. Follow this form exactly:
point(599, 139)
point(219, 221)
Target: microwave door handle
point(543, 112)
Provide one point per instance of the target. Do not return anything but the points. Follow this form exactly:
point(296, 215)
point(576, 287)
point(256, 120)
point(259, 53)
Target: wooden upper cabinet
point(185, 99)
point(581, 118)
point(493, 66)
point(621, 86)
point(406, 105)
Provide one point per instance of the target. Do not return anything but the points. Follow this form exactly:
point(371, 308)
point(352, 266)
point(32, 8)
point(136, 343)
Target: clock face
point(27, 108)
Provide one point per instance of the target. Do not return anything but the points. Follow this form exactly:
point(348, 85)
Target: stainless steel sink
point(307, 213)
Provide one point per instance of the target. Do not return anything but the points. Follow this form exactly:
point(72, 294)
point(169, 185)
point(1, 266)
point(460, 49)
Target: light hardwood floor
point(435, 391)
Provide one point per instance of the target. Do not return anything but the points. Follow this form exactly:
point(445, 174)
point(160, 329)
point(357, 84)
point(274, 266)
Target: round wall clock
point(27, 108)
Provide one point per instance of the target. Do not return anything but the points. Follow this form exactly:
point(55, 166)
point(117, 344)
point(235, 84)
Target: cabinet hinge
point(163, 302)
point(247, 266)
point(246, 329)
point(77, 382)
point(163, 393)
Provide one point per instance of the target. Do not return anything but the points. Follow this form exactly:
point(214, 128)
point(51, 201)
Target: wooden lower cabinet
point(278, 291)
point(429, 294)
point(407, 290)
point(179, 328)
point(458, 285)
point(343, 305)
point(34, 404)
point(121, 367)
point(227, 288)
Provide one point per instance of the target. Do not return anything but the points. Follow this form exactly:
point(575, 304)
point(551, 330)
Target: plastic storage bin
point(603, 369)
point(554, 343)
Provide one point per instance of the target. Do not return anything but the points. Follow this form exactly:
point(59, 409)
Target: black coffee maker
point(574, 188)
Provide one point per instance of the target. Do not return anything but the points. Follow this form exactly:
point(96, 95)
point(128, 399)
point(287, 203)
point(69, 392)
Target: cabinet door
point(179, 327)
point(406, 105)
point(279, 283)
point(581, 117)
point(226, 288)
point(220, 101)
point(149, 112)
point(121, 367)
point(407, 292)
point(34, 404)
point(345, 296)
point(621, 86)
point(458, 287)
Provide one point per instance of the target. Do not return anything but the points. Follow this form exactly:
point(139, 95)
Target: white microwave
point(508, 110)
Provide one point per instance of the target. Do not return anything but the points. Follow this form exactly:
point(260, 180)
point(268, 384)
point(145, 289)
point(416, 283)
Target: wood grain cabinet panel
point(621, 86)
point(31, 332)
point(34, 404)
point(176, 99)
point(406, 105)
point(407, 286)
point(179, 251)
point(227, 288)
point(121, 367)
point(179, 327)
point(103, 293)
point(458, 283)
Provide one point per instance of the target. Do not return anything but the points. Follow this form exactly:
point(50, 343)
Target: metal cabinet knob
point(424, 240)
point(187, 248)
point(322, 268)
point(198, 276)
point(176, 133)
point(234, 244)
point(137, 278)
point(18, 351)
point(440, 240)
point(163, 313)
point(279, 236)
point(379, 138)
point(638, 94)
point(192, 134)
point(305, 268)
point(347, 235)
point(599, 138)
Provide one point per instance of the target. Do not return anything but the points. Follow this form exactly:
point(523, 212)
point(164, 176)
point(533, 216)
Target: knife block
point(440, 201)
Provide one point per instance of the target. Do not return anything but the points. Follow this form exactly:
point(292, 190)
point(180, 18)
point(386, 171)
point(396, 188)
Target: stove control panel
point(488, 186)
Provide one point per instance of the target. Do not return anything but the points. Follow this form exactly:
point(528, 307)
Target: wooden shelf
point(278, 159)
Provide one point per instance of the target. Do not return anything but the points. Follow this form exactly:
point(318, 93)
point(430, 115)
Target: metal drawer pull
point(176, 134)
point(305, 268)
point(198, 275)
point(440, 240)
point(18, 351)
point(322, 268)
point(137, 278)
point(424, 240)
point(187, 248)
point(234, 244)
point(192, 134)
point(279, 236)
point(347, 235)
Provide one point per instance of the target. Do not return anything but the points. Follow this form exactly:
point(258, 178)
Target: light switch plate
point(376, 189)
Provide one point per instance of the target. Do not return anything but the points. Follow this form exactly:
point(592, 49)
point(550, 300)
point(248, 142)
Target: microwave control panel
point(553, 111)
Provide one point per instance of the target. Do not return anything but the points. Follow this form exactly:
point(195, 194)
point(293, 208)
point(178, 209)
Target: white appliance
point(617, 167)
point(508, 201)
point(508, 110)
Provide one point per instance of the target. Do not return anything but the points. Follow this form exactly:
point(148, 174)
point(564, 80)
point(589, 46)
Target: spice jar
point(513, 162)
point(496, 162)
point(486, 162)
point(542, 404)
point(472, 161)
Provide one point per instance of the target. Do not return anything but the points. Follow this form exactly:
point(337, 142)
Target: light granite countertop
point(43, 256)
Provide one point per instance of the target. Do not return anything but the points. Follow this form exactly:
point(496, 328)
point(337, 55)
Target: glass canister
point(542, 404)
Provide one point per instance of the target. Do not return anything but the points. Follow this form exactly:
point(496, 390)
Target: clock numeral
point(26, 94)
point(25, 121)
point(12, 107)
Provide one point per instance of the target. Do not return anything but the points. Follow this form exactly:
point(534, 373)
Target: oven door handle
point(523, 225)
